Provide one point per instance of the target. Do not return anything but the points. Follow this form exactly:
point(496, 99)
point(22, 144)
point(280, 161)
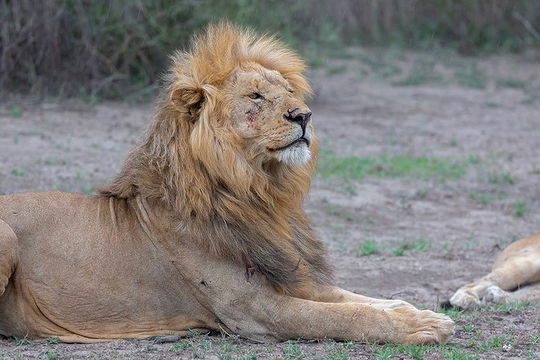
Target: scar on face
point(250, 117)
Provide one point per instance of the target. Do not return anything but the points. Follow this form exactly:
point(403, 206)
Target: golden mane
point(192, 162)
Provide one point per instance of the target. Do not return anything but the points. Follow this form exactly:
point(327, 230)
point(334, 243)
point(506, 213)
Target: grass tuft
point(53, 340)
point(411, 245)
point(520, 208)
point(470, 76)
point(368, 247)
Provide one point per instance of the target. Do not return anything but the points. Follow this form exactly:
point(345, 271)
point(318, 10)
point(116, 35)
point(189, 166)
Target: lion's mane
point(192, 162)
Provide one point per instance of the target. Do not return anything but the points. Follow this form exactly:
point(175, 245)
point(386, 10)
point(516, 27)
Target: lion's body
point(203, 228)
point(515, 277)
point(87, 270)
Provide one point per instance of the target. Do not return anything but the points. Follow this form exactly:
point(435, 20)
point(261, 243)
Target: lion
point(514, 278)
point(203, 228)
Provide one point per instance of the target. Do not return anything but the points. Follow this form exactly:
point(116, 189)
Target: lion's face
point(265, 111)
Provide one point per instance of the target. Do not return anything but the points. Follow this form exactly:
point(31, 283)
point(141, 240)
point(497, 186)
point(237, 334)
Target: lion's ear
point(188, 99)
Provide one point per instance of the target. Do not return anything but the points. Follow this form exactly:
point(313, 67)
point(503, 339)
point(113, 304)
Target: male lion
point(203, 228)
point(515, 277)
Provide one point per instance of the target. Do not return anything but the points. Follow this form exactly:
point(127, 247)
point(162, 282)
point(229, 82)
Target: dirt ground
point(397, 228)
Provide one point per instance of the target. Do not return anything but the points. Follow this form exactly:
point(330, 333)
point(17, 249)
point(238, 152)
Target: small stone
point(507, 347)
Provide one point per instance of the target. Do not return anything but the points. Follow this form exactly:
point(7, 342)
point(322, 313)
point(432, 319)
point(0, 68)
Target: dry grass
point(110, 48)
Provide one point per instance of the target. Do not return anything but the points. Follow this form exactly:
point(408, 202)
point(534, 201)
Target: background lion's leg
point(516, 272)
point(498, 284)
point(529, 293)
point(8, 254)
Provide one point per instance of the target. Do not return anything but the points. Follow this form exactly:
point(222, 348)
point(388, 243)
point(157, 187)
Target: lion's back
point(34, 211)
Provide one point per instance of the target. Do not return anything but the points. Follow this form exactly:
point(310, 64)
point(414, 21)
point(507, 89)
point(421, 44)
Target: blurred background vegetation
point(110, 48)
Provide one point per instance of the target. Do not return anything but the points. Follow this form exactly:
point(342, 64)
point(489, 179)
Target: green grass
point(500, 178)
point(384, 353)
point(378, 64)
point(292, 351)
point(453, 353)
point(332, 210)
point(49, 161)
point(367, 247)
point(53, 340)
point(454, 313)
point(17, 172)
point(508, 308)
point(410, 245)
point(25, 341)
point(492, 104)
point(15, 112)
point(533, 95)
point(520, 208)
point(338, 351)
point(51, 355)
point(181, 346)
point(336, 69)
point(496, 343)
point(422, 193)
point(420, 167)
point(485, 198)
point(422, 72)
point(470, 76)
point(511, 83)
point(392, 351)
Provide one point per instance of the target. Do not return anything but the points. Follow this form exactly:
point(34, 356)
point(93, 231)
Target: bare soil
point(429, 235)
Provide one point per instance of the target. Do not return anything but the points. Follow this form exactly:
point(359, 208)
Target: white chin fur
point(295, 155)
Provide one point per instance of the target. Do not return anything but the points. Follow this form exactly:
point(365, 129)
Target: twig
point(527, 24)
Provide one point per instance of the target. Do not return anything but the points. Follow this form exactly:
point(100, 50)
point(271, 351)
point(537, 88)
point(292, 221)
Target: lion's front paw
point(427, 327)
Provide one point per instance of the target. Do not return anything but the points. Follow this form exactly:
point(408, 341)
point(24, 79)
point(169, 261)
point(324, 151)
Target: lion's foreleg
point(334, 294)
point(361, 322)
point(252, 308)
point(265, 314)
point(8, 254)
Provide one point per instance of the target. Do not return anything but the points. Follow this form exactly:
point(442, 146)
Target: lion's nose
point(299, 116)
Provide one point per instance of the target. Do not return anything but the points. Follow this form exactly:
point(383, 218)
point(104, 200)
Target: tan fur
point(515, 277)
point(203, 228)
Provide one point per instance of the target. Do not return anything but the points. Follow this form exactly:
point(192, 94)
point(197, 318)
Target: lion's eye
point(255, 96)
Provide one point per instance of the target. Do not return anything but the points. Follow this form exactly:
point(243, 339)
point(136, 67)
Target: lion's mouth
point(297, 141)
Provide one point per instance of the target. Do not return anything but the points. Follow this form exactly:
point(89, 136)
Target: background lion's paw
point(465, 299)
point(495, 294)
